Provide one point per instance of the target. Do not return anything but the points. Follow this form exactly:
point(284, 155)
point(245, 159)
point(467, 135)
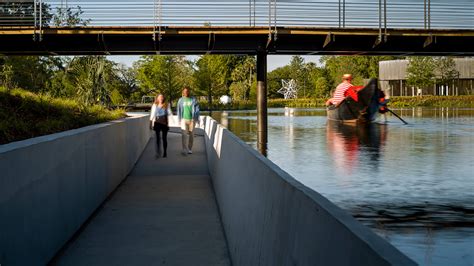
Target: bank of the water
point(24, 115)
point(462, 101)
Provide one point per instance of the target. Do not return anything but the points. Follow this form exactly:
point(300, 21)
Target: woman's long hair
point(165, 105)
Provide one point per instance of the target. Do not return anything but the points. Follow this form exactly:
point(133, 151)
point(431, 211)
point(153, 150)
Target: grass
point(463, 101)
point(24, 115)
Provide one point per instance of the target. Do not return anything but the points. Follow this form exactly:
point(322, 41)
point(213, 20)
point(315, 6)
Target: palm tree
point(89, 75)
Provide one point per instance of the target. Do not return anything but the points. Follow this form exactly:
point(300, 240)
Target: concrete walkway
point(164, 213)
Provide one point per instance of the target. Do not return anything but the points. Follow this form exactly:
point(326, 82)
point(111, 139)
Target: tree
point(68, 17)
point(420, 71)
point(274, 80)
point(242, 78)
point(90, 75)
point(32, 73)
point(6, 77)
point(126, 80)
point(299, 72)
point(211, 76)
point(446, 70)
point(163, 74)
point(322, 82)
point(361, 67)
point(21, 13)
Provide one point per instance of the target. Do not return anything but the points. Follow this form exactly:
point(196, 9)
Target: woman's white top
point(158, 111)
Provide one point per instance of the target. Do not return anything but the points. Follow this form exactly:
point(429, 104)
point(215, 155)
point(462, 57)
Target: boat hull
point(364, 110)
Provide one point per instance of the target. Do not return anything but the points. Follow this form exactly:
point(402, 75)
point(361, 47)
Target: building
point(392, 77)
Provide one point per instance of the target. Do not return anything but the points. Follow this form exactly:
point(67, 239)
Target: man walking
point(188, 115)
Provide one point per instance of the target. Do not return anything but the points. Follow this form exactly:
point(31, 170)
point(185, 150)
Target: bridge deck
point(106, 40)
point(164, 213)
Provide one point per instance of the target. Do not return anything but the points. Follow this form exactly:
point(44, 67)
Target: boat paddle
point(401, 119)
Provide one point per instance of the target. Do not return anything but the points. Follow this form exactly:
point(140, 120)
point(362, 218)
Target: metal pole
point(254, 11)
point(339, 13)
point(34, 17)
point(275, 18)
point(343, 13)
point(380, 20)
point(41, 20)
point(385, 18)
point(424, 13)
point(429, 14)
point(159, 19)
point(262, 124)
point(154, 20)
point(269, 18)
point(250, 13)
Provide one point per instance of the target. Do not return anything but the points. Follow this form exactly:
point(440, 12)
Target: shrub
point(24, 114)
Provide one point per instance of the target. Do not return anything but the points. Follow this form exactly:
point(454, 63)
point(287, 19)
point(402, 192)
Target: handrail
point(377, 14)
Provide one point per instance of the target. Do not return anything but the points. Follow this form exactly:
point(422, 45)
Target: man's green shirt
point(187, 108)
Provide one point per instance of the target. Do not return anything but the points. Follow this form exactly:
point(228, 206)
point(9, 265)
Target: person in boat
point(341, 90)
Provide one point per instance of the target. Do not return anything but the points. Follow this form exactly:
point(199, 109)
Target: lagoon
point(412, 184)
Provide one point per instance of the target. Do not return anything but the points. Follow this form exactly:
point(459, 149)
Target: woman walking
point(160, 111)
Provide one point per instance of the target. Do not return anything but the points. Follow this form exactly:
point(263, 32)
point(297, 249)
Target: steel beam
point(233, 40)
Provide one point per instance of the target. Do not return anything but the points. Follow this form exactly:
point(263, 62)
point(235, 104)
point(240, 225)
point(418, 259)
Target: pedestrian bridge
point(97, 196)
point(53, 27)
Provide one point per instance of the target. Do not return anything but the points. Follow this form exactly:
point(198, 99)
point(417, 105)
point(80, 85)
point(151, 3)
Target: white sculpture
point(289, 89)
point(224, 99)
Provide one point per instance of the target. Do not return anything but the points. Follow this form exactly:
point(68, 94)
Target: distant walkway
point(164, 213)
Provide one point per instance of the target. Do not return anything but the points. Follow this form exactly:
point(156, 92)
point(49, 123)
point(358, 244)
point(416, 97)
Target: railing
point(380, 14)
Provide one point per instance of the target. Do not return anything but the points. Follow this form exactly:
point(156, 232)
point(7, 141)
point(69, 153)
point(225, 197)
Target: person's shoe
point(157, 155)
point(184, 152)
point(190, 152)
point(164, 155)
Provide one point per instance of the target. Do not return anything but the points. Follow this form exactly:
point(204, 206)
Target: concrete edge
point(21, 144)
point(382, 247)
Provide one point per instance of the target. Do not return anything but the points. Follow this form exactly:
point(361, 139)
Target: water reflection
point(345, 142)
point(412, 184)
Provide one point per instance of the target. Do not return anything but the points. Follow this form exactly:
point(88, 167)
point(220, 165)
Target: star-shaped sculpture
point(289, 89)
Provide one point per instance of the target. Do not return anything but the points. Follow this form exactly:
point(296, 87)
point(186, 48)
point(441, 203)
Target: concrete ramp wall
point(50, 185)
point(269, 218)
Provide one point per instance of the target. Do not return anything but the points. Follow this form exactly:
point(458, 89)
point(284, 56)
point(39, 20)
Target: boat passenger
point(341, 90)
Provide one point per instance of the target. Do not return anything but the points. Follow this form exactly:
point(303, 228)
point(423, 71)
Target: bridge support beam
point(262, 121)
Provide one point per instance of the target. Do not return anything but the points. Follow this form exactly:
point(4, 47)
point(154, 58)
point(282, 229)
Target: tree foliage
point(163, 74)
point(243, 77)
point(361, 67)
point(210, 76)
point(91, 76)
point(97, 80)
point(21, 13)
point(68, 17)
point(446, 70)
point(420, 71)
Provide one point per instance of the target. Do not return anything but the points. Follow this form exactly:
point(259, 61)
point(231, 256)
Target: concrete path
point(164, 213)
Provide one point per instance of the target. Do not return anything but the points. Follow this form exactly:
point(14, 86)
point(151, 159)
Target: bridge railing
point(419, 14)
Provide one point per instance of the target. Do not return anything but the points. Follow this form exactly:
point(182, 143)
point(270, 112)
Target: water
point(412, 184)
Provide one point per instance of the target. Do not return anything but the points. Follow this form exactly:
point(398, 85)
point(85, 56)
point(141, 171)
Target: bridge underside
point(232, 40)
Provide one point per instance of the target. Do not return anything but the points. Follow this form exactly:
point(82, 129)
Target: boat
point(361, 106)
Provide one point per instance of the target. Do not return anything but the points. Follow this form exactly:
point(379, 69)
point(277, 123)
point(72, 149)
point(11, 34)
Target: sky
point(273, 61)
